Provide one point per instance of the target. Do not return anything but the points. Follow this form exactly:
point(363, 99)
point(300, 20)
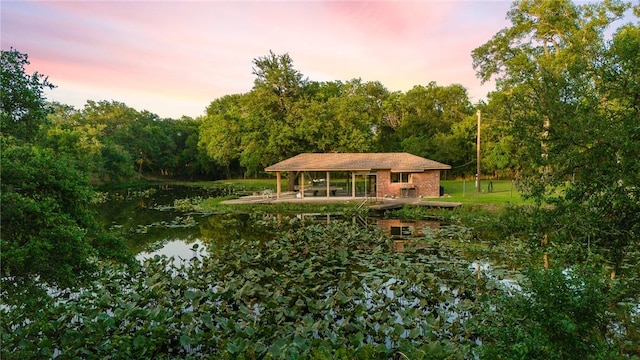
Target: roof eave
point(275, 169)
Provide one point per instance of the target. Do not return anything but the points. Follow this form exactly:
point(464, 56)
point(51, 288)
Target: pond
point(153, 223)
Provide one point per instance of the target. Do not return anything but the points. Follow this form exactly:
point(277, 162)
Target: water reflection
point(149, 222)
point(152, 226)
point(405, 232)
point(399, 228)
point(179, 249)
point(151, 232)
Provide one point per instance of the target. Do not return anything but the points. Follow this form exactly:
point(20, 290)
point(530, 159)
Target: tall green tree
point(285, 114)
point(572, 103)
point(277, 87)
point(388, 137)
point(277, 83)
point(47, 228)
point(222, 131)
point(344, 121)
point(431, 121)
point(67, 134)
point(139, 135)
point(190, 160)
point(259, 128)
point(45, 214)
point(21, 96)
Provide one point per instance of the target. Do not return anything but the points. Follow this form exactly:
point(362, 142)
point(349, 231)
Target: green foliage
point(343, 120)
point(48, 232)
point(437, 122)
point(570, 102)
point(189, 161)
point(285, 115)
point(116, 163)
point(508, 226)
point(560, 314)
point(220, 135)
point(115, 142)
point(213, 205)
point(45, 214)
point(326, 291)
point(22, 102)
point(320, 291)
point(501, 152)
point(337, 290)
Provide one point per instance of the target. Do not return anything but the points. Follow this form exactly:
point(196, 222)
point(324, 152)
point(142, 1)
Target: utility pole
point(478, 155)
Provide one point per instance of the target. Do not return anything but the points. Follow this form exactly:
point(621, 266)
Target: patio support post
point(328, 181)
point(278, 182)
point(301, 187)
point(366, 179)
point(353, 184)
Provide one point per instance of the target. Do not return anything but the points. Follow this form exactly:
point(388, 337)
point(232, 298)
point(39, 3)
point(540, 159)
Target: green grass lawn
point(249, 184)
point(255, 183)
point(504, 192)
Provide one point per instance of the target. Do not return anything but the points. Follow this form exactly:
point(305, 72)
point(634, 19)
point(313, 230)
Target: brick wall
point(383, 184)
point(426, 184)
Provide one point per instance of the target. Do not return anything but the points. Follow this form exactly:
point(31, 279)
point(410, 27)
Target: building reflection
point(403, 231)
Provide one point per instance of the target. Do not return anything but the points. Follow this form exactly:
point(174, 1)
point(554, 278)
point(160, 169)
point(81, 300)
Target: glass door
point(372, 185)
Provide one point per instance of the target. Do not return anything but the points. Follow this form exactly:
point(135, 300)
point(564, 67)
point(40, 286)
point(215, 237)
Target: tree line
point(240, 134)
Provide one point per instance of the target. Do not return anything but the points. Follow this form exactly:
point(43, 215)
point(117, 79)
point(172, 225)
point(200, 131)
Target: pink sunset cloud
point(173, 58)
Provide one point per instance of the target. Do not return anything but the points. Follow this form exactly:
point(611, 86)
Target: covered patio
point(377, 175)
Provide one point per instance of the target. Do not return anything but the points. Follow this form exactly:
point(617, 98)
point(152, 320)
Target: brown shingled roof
point(357, 161)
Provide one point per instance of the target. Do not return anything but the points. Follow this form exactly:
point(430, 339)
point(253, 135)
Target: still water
point(152, 226)
point(150, 223)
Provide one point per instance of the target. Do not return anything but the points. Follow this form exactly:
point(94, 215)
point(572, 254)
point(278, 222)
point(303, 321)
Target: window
point(399, 177)
point(400, 231)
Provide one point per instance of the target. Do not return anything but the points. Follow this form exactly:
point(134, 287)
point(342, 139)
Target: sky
point(173, 58)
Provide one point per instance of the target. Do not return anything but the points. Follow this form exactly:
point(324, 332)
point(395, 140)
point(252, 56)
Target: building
point(380, 175)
